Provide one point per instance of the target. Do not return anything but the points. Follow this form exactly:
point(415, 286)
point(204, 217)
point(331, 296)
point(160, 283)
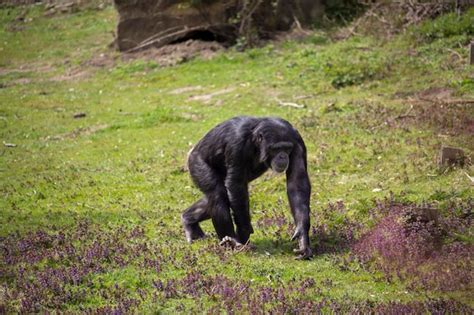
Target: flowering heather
point(296, 297)
point(64, 278)
point(45, 271)
point(332, 230)
point(419, 245)
point(275, 224)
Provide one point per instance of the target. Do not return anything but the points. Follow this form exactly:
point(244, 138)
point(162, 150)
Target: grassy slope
point(130, 171)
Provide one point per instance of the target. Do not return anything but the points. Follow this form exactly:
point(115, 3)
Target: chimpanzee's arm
point(299, 191)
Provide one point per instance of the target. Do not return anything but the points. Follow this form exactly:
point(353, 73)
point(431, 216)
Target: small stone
point(451, 156)
point(9, 145)
point(79, 115)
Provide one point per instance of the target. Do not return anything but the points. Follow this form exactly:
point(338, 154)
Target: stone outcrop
point(155, 23)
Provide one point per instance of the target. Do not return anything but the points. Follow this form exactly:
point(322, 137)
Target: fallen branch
point(9, 145)
point(442, 101)
point(299, 27)
point(158, 35)
point(302, 97)
point(447, 101)
point(452, 51)
point(470, 177)
point(148, 43)
point(290, 104)
point(352, 28)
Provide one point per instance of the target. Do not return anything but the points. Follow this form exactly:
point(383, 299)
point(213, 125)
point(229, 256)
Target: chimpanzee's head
point(275, 148)
point(279, 156)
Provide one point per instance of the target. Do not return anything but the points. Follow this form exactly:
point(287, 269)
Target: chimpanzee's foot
point(193, 232)
point(231, 242)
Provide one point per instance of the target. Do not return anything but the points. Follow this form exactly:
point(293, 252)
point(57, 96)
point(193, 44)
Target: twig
point(243, 247)
point(150, 43)
point(297, 22)
point(159, 34)
point(302, 97)
point(471, 178)
point(9, 145)
point(299, 27)
point(407, 114)
point(248, 16)
point(352, 28)
point(290, 104)
point(390, 120)
point(455, 53)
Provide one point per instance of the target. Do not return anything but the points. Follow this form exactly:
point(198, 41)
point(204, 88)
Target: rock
point(450, 156)
point(79, 115)
point(152, 23)
point(165, 22)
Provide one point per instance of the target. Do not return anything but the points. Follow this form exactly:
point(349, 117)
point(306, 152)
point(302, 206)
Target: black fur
point(230, 156)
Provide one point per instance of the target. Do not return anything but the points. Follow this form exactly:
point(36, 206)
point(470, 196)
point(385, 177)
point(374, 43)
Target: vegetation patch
point(448, 25)
point(117, 270)
point(420, 246)
point(51, 270)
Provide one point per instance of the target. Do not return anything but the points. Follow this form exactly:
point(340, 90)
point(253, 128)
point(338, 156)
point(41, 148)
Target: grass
point(121, 167)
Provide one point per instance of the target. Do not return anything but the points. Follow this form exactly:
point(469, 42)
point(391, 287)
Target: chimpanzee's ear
point(259, 138)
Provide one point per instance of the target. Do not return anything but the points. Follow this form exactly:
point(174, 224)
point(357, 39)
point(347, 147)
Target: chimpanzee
point(231, 155)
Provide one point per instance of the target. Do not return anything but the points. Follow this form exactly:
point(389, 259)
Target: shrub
point(416, 244)
point(448, 25)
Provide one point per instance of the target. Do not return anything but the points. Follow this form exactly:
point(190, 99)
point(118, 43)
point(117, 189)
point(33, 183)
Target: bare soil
point(436, 107)
point(178, 53)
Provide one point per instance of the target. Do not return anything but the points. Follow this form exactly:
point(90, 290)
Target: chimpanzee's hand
point(243, 233)
point(304, 251)
point(303, 254)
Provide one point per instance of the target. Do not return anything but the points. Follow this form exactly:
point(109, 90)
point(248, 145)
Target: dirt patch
point(24, 71)
point(296, 33)
point(40, 68)
point(165, 56)
point(435, 93)
point(83, 131)
point(436, 107)
point(84, 71)
point(72, 74)
point(87, 68)
point(102, 61)
point(178, 53)
point(186, 89)
point(206, 98)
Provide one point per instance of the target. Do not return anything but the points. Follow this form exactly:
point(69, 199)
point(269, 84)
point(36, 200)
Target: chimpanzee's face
point(279, 156)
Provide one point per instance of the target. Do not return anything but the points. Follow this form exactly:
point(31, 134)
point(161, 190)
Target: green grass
point(123, 163)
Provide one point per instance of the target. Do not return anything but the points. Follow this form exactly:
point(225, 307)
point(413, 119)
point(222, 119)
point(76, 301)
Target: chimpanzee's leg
point(220, 212)
point(211, 183)
point(191, 217)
